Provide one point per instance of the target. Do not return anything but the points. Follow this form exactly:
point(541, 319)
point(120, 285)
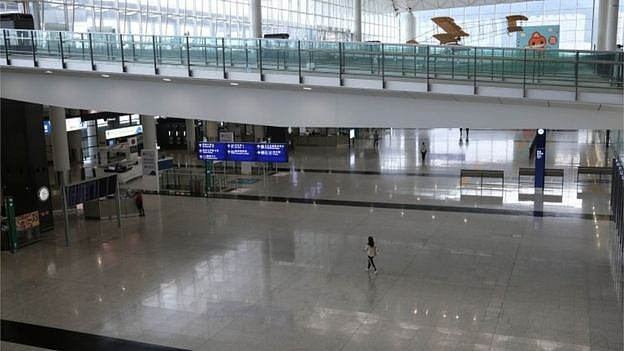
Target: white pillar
point(211, 130)
point(256, 18)
point(601, 37)
point(408, 26)
point(149, 132)
point(258, 132)
point(612, 20)
point(357, 20)
point(60, 148)
point(190, 135)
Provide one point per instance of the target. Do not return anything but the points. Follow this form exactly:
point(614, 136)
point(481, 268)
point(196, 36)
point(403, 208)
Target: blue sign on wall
point(211, 151)
point(47, 127)
point(247, 152)
point(240, 152)
point(272, 153)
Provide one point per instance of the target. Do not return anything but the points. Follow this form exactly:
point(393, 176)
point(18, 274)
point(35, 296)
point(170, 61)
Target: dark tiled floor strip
point(62, 339)
point(400, 206)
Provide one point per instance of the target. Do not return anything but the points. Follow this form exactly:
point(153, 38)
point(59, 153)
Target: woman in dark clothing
point(371, 252)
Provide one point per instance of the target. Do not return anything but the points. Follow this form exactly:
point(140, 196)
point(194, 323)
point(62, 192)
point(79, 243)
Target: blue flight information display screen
point(272, 153)
point(211, 151)
point(246, 152)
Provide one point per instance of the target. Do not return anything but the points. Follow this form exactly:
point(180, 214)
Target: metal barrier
point(566, 69)
point(467, 174)
point(617, 216)
point(549, 174)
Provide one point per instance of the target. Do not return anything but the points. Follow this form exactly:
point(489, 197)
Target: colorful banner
point(538, 37)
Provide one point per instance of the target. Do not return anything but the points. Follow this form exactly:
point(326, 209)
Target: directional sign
point(240, 152)
point(272, 153)
point(247, 152)
point(211, 151)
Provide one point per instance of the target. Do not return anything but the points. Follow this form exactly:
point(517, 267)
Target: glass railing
point(424, 63)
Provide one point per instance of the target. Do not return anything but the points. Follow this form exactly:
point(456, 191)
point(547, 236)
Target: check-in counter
point(104, 208)
point(320, 140)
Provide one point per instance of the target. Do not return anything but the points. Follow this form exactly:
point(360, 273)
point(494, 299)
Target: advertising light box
point(240, 152)
point(272, 153)
point(124, 132)
point(211, 151)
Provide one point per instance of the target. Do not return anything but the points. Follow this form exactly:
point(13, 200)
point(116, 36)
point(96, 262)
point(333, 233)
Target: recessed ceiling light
point(233, 83)
point(307, 88)
point(105, 76)
point(48, 72)
point(167, 79)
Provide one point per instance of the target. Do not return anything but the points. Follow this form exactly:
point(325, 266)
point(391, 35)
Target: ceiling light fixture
point(167, 79)
point(307, 88)
point(48, 72)
point(233, 83)
point(105, 76)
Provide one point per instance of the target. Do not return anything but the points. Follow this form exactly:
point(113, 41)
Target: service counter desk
point(319, 140)
point(105, 208)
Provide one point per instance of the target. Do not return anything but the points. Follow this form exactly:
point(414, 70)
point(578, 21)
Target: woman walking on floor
point(371, 252)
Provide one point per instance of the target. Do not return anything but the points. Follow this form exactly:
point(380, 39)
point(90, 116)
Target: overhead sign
point(72, 124)
point(124, 132)
point(47, 127)
point(210, 151)
point(240, 152)
point(246, 152)
point(272, 153)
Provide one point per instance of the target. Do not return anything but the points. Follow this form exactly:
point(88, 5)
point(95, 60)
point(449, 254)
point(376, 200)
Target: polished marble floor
point(224, 274)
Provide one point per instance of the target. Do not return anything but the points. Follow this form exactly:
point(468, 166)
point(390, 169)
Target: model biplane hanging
point(453, 34)
point(512, 25)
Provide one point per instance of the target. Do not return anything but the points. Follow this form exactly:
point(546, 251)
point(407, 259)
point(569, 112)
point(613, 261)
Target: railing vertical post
point(217, 52)
point(61, 49)
point(91, 52)
point(34, 49)
point(260, 58)
point(121, 48)
point(188, 57)
point(403, 60)
point(6, 46)
point(246, 57)
point(492, 64)
point(299, 60)
point(134, 57)
point(383, 67)
point(414, 58)
point(503, 66)
point(340, 62)
point(576, 76)
point(205, 51)
point(223, 57)
point(154, 53)
point(82, 44)
point(474, 72)
point(524, 92)
point(427, 64)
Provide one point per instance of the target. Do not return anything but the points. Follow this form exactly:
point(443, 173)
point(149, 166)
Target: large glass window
point(302, 19)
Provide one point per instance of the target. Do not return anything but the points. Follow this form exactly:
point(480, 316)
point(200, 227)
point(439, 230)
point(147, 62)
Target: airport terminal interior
point(312, 175)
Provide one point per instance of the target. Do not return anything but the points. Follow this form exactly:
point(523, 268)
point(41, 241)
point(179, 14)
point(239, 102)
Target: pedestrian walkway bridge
point(516, 74)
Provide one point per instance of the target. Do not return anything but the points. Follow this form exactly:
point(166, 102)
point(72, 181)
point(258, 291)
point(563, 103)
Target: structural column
point(357, 20)
point(612, 22)
point(149, 132)
point(60, 146)
point(408, 26)
point(601, 37)
point(190, 135)
point(258, 132)
point(256, 18)
point(211, 130)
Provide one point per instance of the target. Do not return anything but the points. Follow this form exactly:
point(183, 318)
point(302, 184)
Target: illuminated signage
point(210, 151)
point(246, 152)
point(72, 124)
point(271, 153)
point(124, 132)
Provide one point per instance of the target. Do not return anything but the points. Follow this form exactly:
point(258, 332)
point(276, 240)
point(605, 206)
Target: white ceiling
point(419, 5)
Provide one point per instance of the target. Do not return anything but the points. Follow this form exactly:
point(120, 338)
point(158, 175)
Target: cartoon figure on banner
point(537, 41)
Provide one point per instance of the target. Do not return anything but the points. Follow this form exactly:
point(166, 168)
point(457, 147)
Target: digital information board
point(246, 152)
